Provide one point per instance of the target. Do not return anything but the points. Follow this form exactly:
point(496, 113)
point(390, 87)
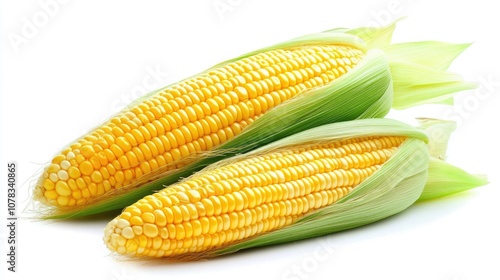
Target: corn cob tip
point(113, 241)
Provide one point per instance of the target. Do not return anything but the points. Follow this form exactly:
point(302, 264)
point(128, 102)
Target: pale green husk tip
point(446, 179)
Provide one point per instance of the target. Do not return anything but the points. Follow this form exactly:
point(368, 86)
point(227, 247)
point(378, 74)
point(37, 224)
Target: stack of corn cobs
point(281, 144)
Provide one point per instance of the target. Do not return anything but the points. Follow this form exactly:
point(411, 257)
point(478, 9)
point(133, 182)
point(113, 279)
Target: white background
point(87, 59)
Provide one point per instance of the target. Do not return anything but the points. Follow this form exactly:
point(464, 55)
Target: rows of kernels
point(195, 115)
point(244, 195)
point(160, 247)
point(84, 178)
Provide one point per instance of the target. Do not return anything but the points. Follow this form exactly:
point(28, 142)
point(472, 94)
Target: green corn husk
point(397, 76)
point(411, 174)
point(444, 179)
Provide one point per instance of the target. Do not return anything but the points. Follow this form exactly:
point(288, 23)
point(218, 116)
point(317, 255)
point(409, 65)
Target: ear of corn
point(326, 179)
point(234, 107)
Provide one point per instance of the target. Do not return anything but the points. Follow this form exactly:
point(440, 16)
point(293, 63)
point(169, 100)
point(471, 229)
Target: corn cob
point(192, 116)
point(227, 206)
point(237, 106)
